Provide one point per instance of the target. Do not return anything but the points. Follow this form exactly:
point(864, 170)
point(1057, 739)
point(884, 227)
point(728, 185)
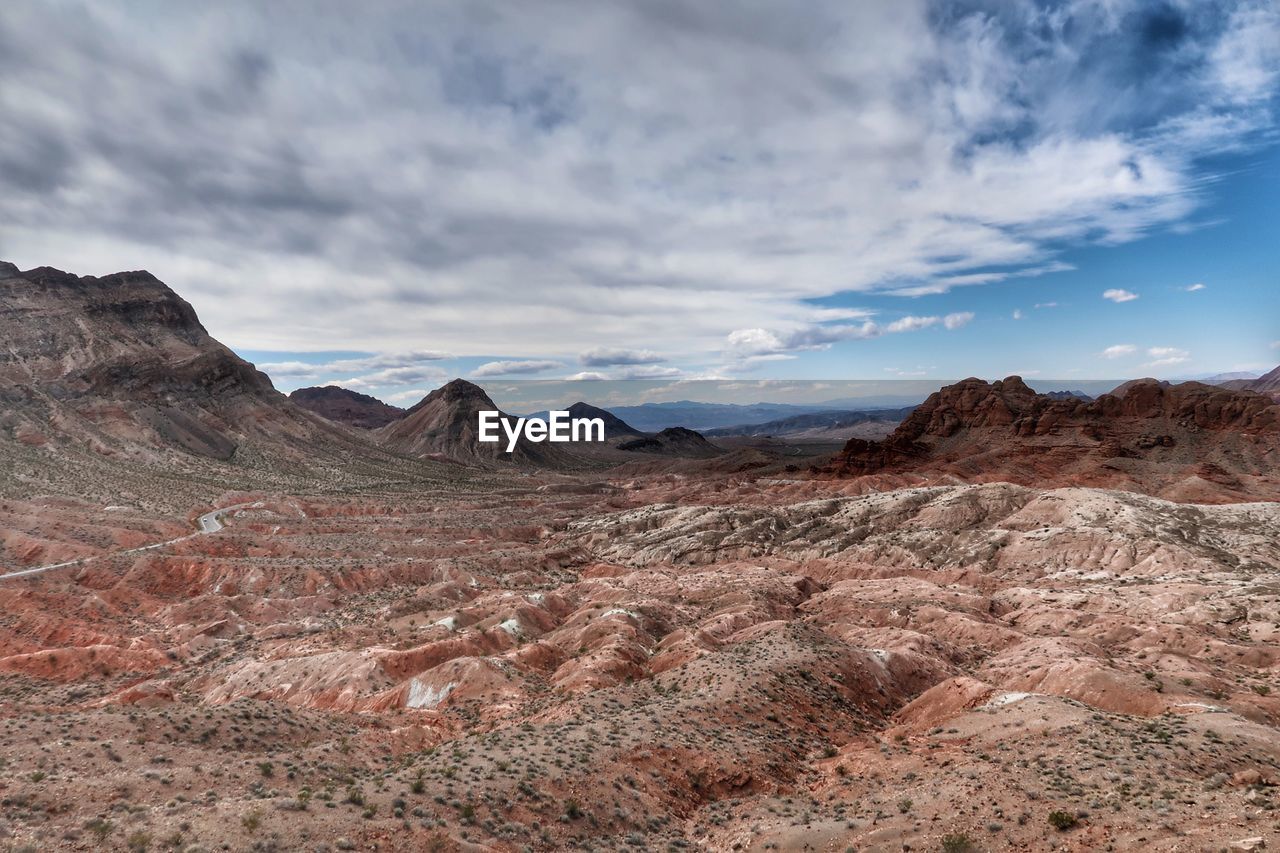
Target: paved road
point(210, 522)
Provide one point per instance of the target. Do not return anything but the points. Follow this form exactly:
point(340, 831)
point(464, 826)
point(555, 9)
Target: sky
point(663, 190)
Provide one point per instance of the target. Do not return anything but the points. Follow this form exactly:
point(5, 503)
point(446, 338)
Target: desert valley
point(233, 620)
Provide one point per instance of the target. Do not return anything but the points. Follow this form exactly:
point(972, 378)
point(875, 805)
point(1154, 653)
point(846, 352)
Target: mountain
point(122, 363)
point(673, 441)
point(614, 427)
point(652, 417)
point(1068, 395)
point(1268, 384)
point(347, 407)
point(1188, 441)
point(814, 424)
point(1221, 378)
point(112, 380)
point(446, 424)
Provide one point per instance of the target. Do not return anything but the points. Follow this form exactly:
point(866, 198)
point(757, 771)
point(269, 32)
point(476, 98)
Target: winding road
point(210, 522)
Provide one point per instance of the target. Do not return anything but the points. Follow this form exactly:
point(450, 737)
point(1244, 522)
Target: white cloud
point(412, 395)
point(1246, 58)
point(587, 376)
point(394, 376)
point(1119, 351)
point(537, 179)
point(290, 369)
point(1046, 305)
point(743, 344)
point(1275, 344)
point(505, 368)
point(1017, 314)
point(648, 371)
point(1167, 356)
point(912, 324)
point(607, 356)
point(1192, 288)
point(1119, 295)
point(374, 371)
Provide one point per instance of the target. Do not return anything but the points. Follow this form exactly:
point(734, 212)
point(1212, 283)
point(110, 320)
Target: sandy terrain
point(735, 664)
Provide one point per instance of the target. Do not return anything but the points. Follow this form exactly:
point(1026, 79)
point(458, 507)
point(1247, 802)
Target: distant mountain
point(874, 402)
point(614, 427)
point(1068, 395)
point(1268, 384)
point(673, 441)
point(652, 417)
point(1219, 378)
point(446, 424)
point(813, 422)
point(344, 406)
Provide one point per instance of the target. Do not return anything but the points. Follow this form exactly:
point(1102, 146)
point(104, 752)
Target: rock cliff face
point(344, 406)
point(1187, 441)
point(120, 367)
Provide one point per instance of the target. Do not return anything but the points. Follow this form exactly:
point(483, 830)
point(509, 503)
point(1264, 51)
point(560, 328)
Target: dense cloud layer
point(607, 183)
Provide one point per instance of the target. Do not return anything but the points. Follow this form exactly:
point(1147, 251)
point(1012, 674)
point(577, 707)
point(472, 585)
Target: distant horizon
point(529, 396)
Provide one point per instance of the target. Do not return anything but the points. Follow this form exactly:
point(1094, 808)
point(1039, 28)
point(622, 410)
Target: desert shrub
point(958, 842)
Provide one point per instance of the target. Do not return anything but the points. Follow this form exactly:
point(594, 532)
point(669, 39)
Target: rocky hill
point(445, 425)
point(1186, 441)
point(344, 406)
point(673, 441)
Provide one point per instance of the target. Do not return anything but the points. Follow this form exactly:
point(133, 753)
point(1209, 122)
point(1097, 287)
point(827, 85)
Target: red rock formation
point(1189, 440)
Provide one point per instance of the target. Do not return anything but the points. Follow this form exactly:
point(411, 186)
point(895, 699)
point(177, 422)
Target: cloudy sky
point(662, 189)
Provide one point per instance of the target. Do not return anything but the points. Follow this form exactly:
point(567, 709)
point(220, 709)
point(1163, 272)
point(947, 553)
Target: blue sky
point(664, 191)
